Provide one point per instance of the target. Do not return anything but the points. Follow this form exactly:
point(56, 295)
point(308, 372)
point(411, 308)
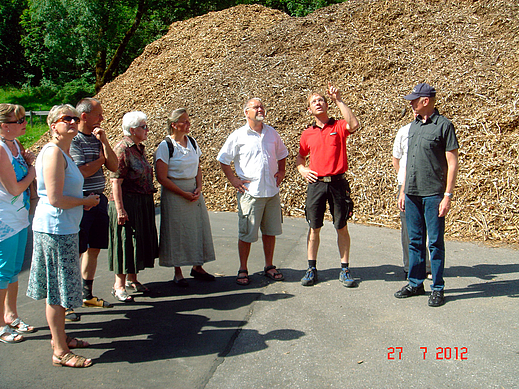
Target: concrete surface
point(282, 335)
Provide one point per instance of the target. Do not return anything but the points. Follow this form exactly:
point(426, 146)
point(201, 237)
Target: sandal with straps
point(73, 343)
point(245, 278)
point(21, 327)
point(66, 360)
point(276, 276)
point(122, 295)
point(7, 335)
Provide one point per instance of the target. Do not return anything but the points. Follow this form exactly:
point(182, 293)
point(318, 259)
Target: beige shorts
point(258, 212)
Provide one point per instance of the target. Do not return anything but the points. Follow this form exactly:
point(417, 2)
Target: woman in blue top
point(55, 272)
point(16, 174)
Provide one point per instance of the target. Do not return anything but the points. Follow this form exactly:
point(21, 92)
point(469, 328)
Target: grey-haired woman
point(133, 243)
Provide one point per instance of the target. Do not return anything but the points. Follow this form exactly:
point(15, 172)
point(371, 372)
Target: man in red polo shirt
point(325, 142)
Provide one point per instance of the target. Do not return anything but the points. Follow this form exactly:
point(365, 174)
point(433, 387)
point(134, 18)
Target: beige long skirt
point(185, 230)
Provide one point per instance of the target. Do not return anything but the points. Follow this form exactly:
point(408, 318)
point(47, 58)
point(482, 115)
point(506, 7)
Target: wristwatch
point(449, 195)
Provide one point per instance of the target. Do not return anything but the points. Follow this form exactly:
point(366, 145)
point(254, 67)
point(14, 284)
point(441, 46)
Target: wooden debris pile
point(375, 52)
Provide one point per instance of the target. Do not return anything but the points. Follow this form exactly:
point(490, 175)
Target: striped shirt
point(85, 149)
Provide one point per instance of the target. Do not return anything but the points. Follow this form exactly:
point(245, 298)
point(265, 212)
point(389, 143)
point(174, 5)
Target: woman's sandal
point(137, 286)
point(73, 343)
point(21, 327)
point(274, 276)
point(67, 360)
point(7, 335)
point(245, 278)
point(122, 295)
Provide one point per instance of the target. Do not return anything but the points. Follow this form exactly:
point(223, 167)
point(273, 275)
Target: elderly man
point(90, 150)
point(259, 157)
point(426, 194)
point(325, 142)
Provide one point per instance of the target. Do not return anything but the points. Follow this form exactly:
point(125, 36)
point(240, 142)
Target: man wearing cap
point(325, 143)
point(426, 194)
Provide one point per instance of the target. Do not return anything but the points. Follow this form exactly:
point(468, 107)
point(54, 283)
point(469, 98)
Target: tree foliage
point(96, 40)
point(12, 60)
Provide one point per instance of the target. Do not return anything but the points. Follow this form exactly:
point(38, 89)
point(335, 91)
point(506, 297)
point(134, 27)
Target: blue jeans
point(421, 215)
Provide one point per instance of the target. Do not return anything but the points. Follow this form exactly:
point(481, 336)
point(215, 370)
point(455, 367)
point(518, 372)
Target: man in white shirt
point(259, 157)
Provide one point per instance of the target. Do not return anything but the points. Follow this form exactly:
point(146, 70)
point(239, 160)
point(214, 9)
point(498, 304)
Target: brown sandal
point(65, 360)
point(70, 340)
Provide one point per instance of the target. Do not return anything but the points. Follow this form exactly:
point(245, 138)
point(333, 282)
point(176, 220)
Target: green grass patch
point(33, 134)
point(32, 99)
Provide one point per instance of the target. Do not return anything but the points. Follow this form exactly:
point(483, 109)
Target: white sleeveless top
point(14, 214)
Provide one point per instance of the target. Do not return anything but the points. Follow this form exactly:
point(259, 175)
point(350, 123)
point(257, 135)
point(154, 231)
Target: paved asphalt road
point(282, 335)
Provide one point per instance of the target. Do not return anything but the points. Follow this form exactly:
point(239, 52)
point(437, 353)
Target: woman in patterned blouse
point(133, 243)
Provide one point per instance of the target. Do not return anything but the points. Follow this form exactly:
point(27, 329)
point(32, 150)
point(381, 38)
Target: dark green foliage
point(50, 42)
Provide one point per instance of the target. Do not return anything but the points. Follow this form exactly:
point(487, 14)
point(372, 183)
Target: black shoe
point(310, 277)
point(201, 276)
point(436, 299)
point(410, 291)
point(181, 283)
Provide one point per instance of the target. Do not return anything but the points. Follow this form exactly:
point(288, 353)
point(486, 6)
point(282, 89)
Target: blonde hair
point(174, 116)
point(56, 111)
point(7, 110)
point(315, 94)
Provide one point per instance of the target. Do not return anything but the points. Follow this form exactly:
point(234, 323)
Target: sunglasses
point(68, 119)
point(19, 121)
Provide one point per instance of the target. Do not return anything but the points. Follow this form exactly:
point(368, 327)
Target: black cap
point(421, 90)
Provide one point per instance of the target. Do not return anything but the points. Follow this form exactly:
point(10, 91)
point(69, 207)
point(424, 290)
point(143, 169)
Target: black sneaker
point(410, 291)
point(436, 299)
point(310, 277)
point(346, 279)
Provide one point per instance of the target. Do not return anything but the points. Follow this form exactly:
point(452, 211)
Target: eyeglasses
point(68, 119)
point(19, 121)
point(145, 127)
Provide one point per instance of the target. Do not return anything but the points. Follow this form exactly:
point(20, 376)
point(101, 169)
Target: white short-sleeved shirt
point(400, 151)
point(184, 162)
point(255, 158)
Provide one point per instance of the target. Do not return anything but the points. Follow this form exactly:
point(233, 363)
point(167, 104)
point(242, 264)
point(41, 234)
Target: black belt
point(336, 177)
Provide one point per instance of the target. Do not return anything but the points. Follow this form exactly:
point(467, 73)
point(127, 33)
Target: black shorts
point(337, 194)
point(93, 230)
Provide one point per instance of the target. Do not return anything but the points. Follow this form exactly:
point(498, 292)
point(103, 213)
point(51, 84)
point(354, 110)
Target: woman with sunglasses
point(132, 240)
point(55, 270)
point(16, 174)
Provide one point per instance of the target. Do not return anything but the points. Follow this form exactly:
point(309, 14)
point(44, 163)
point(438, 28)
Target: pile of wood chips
point(375, 52)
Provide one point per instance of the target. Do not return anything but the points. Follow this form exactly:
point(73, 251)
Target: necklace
point(6, 140)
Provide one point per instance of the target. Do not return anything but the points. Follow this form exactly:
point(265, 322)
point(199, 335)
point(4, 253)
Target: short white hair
point(132, 120)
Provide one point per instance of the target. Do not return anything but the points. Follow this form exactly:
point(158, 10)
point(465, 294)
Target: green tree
point(96, 40)
point(13, 64)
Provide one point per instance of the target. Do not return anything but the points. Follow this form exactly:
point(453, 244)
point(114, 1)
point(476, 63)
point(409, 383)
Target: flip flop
point(272, 276)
